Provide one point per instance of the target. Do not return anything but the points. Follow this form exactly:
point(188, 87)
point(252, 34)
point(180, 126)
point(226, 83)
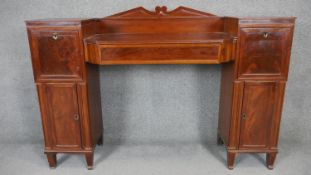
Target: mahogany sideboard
point(254, 53)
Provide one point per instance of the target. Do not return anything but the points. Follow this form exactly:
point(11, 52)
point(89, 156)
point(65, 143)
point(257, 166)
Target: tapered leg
point(230, 160)
point(89, 160)
point(51, 159)
point(219, 140)
point(100, 140)
point(270, 158)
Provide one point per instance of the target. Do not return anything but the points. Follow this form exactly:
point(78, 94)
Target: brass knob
point(76, 117)
point(265, 34)
point(55, 36)
point(244, 116)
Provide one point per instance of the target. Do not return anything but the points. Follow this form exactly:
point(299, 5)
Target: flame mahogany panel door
point(63, 123)
point(259, 101)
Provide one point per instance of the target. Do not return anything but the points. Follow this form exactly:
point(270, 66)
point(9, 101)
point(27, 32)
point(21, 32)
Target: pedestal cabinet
point(250, 110)
point(69, 103)
point(254, 53)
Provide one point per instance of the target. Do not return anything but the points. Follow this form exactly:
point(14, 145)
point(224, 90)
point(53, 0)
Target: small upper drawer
point(264, 52)
point(56, 54)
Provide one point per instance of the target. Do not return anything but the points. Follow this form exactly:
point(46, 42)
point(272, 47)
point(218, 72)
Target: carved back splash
point(180, 20)
point(180, 12)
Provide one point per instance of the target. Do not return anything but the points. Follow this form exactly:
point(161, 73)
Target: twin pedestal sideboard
point(254, 53)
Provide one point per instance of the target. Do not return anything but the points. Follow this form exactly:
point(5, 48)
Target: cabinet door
point(264, 52)
point(259, 102)
point(56, 53)
point(62, 115)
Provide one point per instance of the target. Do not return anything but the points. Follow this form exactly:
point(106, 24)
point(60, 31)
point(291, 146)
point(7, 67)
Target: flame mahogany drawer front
point(148, 48)
point(57, 54)
point(264, 52)
point(161, 53)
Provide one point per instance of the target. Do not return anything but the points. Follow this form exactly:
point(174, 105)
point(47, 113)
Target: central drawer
point(214, 53)
point(161, 53)
point(212, 48)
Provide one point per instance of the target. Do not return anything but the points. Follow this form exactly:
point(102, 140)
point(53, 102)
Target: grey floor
point(165, 159)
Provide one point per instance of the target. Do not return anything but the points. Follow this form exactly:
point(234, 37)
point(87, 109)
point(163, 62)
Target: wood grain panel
point(264, 52)
point(62, 121)
point(257, 114)
point(199, 48)
point(211, 52)
point(56, 54)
